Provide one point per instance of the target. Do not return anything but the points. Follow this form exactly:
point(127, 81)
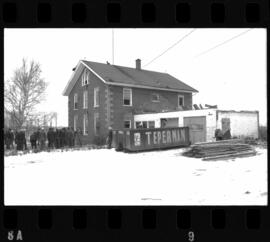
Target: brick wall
point(142, 102)
point(102, 109)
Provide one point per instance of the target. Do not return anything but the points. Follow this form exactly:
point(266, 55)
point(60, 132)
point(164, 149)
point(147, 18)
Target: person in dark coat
point(38, 137)
point(33, 140)
point(24, 139)
point(20, 140)
point(227, 134)
point(12, 138)
point(64, 137)
point(42, 139)
point(57, 139)
point(61, 138)
point(53, 138)
point(9, 138)
point(72, 137)
point(109, 138)
point(218, 134)
point(50, 137)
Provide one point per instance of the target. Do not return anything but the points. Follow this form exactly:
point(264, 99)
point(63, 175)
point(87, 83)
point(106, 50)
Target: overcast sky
point(231, 75)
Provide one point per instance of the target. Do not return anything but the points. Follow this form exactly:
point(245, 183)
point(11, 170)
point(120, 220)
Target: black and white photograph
point(130, 116)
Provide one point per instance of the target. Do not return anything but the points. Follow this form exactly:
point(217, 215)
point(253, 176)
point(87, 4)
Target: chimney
point(138, 64)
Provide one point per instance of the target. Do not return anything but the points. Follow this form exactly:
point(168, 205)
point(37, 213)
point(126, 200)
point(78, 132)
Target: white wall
point(242, 123)
point(210, 115)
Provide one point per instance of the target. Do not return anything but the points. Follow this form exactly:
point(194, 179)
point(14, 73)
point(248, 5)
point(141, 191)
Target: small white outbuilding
point(203, 123)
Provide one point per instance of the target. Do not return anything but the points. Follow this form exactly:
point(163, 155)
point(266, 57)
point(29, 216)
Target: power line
point(224, 42)
point(185, 36)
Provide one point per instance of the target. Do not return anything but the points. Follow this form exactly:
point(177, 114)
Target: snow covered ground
point(107, 177)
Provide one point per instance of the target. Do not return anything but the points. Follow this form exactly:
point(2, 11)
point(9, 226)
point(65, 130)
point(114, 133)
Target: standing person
point(50, 138)
point(42, 139)
point(78, 137)
point(8, 138)
point(68, 137)
point(53, 138)
point(12, 137)
point(109, 138)
point(69, 134)
point(72, 136)
point(218, 134)
point(38, 137)
point(24, 139)
point(57, 139)
point(19, 140)
point(64, 137)
point(61, 138)
point(33, 140)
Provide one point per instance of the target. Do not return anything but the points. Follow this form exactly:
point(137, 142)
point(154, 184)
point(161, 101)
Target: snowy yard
point(107, 177)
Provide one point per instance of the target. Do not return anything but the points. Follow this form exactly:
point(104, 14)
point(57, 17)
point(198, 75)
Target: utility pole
point(112, 46)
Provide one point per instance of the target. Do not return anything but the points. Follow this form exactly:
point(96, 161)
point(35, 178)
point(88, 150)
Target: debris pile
point(225, 149)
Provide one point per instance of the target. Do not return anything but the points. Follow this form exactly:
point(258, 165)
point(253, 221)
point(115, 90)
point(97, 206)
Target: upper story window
point(85, 99)
point(155, 97)
point(75, 101)
point(96, 97)
point(127, 97)
point(180, 100)
point(85, 77)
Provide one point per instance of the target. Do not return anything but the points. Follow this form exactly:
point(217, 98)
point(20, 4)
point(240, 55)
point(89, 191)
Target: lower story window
point(151, 124)
point(85, 124)
point(75, 122)
point(96, 123)
point(141, 125)
point(127, 124)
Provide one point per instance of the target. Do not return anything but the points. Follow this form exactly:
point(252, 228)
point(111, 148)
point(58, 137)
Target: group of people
point(40, 139)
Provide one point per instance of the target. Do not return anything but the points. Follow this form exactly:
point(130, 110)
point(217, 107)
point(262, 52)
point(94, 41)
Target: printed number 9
point(191, 236)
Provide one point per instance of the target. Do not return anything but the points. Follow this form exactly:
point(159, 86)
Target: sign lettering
point(167, 137)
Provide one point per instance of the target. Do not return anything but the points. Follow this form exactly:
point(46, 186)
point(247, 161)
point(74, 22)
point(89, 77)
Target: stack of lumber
point(225, 149)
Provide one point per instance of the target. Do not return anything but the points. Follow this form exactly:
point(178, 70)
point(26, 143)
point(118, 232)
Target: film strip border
point(141, 13)
point(135, 224)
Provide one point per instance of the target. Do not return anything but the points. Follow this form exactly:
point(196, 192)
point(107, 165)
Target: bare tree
point(24, 91)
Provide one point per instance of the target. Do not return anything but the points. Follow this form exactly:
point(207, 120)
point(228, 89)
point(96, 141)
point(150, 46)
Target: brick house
point(104, 95)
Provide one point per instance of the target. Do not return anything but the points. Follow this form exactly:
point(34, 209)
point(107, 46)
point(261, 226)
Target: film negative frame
point(132, 223)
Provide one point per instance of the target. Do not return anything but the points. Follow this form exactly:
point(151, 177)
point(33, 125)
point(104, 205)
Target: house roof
point(126, 76)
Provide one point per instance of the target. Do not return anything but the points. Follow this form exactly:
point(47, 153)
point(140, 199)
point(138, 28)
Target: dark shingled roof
point(131, 76)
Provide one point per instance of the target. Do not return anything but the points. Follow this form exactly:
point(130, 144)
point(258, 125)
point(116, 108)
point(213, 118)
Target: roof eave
point(150, 87)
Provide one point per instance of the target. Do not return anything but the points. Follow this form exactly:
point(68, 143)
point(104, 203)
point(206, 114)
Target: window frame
point(85, 124)
point(183, 98)
point(96, 118)
point(130, 90)
point(127, 120)
point(158, 99)
point(96, 90)
point(148, 124)
point(75, 101)
point(85, 99)
point(85, 77)
point(75, 122)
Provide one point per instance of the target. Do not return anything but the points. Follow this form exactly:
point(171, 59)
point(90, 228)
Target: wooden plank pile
point(225, 149)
